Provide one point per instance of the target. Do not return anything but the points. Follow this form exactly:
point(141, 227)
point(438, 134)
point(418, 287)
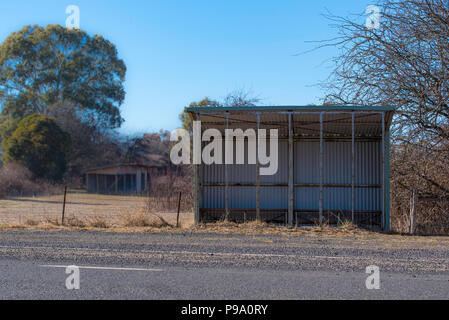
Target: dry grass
point(140, 220)
point(130, 214)
point(73, 222)
point(344, 233)
point(339, 235)
point(99, 222)
point(31, 223)
point(256, 227)
point(86, 210)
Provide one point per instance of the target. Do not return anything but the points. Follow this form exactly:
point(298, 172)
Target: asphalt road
point(209, 266)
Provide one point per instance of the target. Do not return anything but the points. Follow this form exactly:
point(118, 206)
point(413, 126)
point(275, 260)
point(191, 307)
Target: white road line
point(104, 268)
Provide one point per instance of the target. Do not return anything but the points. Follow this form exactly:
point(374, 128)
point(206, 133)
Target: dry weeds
point(86, 210)
point(131, 214)
point(148, 224)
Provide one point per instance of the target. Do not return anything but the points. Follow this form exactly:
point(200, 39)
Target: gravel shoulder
point(210, 250)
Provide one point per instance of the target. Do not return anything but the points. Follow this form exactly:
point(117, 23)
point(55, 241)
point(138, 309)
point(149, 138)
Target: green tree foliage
point(43, 67)
point(39, 144)
point(186, 118)
point(7, 126)
point(237, 98)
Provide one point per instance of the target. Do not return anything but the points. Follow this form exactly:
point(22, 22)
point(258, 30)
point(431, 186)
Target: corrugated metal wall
point(337, 170)
point(276, 197)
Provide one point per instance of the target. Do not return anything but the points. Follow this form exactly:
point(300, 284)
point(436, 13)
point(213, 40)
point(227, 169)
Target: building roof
point(121, 165)
point(293, 108)
point(337, 120)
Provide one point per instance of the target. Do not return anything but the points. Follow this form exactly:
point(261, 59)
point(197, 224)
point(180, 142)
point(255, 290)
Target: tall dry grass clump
point(142, 220)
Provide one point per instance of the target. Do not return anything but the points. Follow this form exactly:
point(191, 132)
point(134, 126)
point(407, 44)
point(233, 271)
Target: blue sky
point(177, 52)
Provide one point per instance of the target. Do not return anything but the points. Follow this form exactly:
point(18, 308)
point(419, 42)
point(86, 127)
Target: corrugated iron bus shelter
point(334, 165)
point(119, 178)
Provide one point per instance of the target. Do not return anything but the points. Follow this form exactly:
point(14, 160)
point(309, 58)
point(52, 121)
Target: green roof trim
point(293, 108)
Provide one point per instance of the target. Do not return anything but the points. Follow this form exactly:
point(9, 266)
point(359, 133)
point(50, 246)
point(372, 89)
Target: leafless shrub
point(403, 64)
point(241, 98)
point(16, 180)
point(425, 170)
point(432, 217)
point(93, 142)
point(164, 193)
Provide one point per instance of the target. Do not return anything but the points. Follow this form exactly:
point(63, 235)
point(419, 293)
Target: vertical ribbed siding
point(368, 171)
point(239, 197)
point(307, 155)
point(337, 163)
point(307, 198)
point(213, 198)
point(337, 170)
point(368, 162)
point(307, 171)
point(276, 197)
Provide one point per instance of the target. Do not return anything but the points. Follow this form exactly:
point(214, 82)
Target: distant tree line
point(60, 96)
point(237, 98)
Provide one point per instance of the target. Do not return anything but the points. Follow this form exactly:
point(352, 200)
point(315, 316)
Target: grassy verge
point(130, 214)
point(339, 235)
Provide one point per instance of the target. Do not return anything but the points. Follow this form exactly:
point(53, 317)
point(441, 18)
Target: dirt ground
point(80, 206)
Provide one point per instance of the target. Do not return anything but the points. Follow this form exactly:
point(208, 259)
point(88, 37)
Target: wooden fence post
point(413, 201)
point(179, 209)
point(63, 205)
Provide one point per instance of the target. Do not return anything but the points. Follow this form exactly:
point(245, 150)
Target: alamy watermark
point(73, 280)
point(218, 146)
point(73, 20)
point(373, 281)
point(373, 20)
